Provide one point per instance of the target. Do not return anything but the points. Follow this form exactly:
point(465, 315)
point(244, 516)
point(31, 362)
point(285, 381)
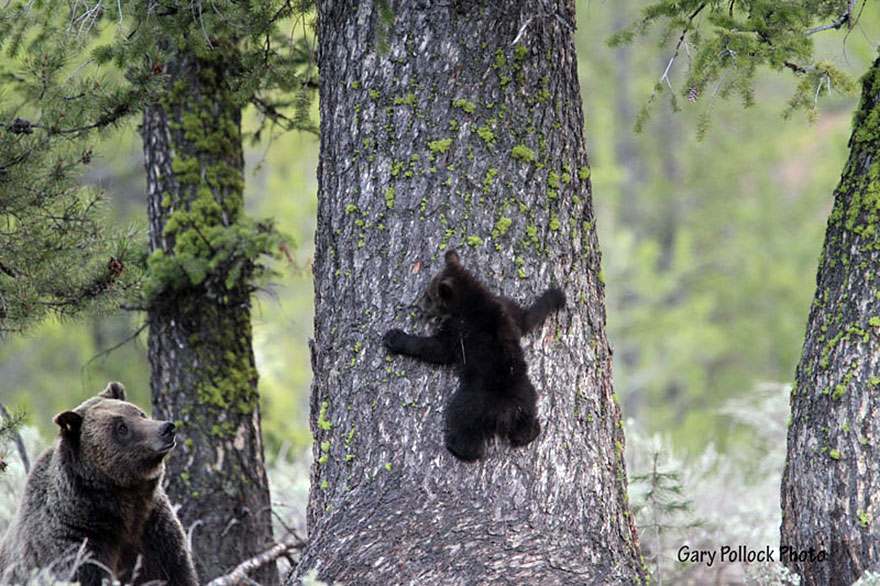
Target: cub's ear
point(452, 258)
point(70, 423)
point(114, 390)
point(446, 289)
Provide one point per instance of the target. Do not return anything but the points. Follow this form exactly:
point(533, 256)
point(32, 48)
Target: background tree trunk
point(203, 374)
point(438, 131)
point(831, 484)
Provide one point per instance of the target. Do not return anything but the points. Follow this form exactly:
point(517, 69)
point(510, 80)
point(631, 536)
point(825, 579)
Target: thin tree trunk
point(203, 374)
point(459, 125)
point(831, 484)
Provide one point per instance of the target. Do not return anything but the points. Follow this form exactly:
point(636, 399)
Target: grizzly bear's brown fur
point(97, 491)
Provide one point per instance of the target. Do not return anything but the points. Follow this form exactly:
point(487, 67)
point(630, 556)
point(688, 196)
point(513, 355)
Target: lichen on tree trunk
point(831, 483)
point(438, 131)
point(198, 287)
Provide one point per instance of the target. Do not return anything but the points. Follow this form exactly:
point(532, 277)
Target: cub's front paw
point(394, 340)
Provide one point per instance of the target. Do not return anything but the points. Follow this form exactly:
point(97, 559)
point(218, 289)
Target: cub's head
point(114, 442)
point(442, 293)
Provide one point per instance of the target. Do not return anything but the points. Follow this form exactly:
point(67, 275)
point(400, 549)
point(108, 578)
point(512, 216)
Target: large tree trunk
point(439, 131)
point(203, 374)
point(831, 484)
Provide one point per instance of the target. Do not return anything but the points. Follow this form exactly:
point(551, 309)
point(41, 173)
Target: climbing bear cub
point(99, 488)
point(480, 333)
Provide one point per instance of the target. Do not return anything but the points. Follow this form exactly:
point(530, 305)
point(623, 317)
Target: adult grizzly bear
point(480, 332)
point(98, 489)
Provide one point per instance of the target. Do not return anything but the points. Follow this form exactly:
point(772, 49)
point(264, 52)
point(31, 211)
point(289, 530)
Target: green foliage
point(60, 256)
point(817, 82)
point(274, 67)
point(204, 255)
point(57, 254)
point(727, 43)
point(243, 58)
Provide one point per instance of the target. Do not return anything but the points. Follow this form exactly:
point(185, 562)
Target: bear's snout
point(165, 434)
point(166, 431)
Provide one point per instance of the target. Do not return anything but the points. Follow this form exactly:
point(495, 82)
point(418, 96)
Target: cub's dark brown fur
point(480, 333)
point(100, 485)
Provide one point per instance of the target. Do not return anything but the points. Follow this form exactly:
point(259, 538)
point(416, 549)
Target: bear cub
point(479, 332)
point(100, 485)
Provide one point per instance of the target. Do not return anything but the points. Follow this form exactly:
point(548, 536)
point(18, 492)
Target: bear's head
point(440, 297)
point(112, 442)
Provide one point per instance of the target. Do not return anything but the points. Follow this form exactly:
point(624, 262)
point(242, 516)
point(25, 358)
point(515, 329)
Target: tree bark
point(446, 125)
point(202, 363)
point(831, 483)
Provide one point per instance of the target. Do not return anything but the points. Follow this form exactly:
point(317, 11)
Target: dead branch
point(239, 575)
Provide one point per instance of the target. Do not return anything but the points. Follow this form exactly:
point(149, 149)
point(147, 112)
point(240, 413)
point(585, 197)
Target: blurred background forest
point(710, 251)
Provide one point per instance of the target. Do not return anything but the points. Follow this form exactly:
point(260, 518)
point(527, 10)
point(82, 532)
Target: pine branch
point(21, 126)
point(795, 67)
point(844, 19)
point(665, 76)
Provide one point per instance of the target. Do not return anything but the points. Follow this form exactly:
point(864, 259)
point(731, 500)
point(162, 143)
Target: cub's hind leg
point(523, 425)
point(465, 428)
point(519, 420)
point(524, 431)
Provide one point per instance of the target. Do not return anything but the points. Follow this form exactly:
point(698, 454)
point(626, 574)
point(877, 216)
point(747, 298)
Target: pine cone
point(20, 126)
point(115, 266)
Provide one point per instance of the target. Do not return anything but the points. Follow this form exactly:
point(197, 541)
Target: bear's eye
point(122, 429)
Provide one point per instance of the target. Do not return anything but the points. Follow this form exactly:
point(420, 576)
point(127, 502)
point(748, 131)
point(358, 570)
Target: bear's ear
point(452, 258)
point(114, 390)
point(446, 290)
point(70, 423)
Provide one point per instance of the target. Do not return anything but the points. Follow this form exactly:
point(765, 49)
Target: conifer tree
point(58, 255)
